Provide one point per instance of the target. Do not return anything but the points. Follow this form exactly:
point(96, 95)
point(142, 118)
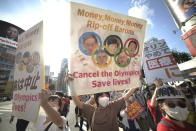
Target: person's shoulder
point(165, 125)
point(161, 127)
point(87, 106)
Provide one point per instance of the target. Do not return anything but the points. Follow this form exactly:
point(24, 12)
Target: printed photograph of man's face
point(90, 43)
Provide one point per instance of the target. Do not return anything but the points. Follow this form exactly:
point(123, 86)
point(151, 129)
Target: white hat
point(168, 92)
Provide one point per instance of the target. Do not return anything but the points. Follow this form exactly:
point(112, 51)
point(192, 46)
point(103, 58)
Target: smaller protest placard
point(133, 109)
point(158, 62)
point(28, 74)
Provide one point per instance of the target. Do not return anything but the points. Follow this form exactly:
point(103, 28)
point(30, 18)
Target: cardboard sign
point(106, 50)
point(28, 74)
point(134, 109)
point(159, 62)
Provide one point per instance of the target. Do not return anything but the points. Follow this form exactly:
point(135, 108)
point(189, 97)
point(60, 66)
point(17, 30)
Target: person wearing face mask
point(104, 116)
point(51, 120)
point(173, 105)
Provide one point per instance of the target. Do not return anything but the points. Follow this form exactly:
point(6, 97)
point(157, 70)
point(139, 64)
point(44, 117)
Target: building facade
point(8, 44)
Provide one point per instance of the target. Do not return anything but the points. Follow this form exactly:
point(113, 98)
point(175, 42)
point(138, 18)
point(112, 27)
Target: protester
point(152, 103)
point(103, 117)
point(83, 98)
point(129, 125)
point(51, 120)
point(65, 104)
point(186, 88)
point(173, 105)
point(77, 114)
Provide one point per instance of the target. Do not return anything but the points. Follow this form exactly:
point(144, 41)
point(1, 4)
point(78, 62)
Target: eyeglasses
point(173, 105)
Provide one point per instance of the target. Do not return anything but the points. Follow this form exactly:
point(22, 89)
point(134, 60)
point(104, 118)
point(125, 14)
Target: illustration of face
point(188, 4)
point(90, 44)
point(12, 33)
point(101, 58)
point(35, 58)
point(30, 67)
point(113, 47)
point(26, 58)
point(18, 58)
point(132, 47)
point(122, 58)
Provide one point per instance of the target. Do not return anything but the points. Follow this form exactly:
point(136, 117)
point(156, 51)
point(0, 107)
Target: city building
point(184, 15)
point(8, 44)
point(61, 86)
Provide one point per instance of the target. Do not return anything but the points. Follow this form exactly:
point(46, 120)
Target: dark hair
point(112, 41)
point(26, 54)
point(90, 36)
point(152, 86)
point(59, 93)
point(96, 96)
point(54, 97)
point(131, 43)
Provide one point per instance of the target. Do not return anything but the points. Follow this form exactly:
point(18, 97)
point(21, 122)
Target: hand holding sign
point(44, 95)
point(158, 82)
point(68, 78)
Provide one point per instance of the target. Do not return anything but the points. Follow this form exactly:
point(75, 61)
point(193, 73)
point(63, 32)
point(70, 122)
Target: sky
point(27, 13)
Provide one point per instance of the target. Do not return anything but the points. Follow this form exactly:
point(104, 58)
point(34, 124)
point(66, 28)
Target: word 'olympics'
point(29, 82)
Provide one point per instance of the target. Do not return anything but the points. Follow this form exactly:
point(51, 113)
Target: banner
point(106, 50)
point(159, 62)
point(181, 10)
point(29, 74)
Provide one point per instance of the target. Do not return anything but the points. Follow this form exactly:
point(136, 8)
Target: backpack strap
point(93, 120)
point(166, 124)
point(49, 125)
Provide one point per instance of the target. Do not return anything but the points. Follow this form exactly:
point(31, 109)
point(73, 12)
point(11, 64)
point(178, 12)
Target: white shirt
point(40, 126)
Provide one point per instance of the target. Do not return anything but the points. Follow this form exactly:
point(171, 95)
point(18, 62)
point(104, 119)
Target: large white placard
point(106, 49)
point(159, 62)
point(28, 74)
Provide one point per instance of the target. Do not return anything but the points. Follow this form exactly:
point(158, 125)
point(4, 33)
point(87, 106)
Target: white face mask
point(55, 108)
point(103, 101)
point(177, 113)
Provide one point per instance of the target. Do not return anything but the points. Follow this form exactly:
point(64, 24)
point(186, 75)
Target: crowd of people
point(163, 107)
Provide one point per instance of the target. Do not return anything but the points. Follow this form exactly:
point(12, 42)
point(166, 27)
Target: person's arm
point(77, 101)
point(158, 82)
point(153, 102)
point(129, 93)
point(53, 115)
point(91, 101)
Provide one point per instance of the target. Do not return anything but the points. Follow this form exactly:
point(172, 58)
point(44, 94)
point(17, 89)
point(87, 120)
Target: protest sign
point(106, 50)
point(159, 62)
point(28, 74)
point(133, 109)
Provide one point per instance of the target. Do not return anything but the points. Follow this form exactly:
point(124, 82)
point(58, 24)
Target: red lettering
point(100, 83)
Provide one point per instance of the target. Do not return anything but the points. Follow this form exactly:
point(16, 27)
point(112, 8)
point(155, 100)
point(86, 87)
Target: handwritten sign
point(134, 109)
point(106, 49)
point(28, 75)
point(159, 62)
